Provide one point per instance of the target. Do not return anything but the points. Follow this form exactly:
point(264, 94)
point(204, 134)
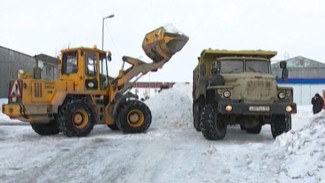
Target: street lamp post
point(109, 16)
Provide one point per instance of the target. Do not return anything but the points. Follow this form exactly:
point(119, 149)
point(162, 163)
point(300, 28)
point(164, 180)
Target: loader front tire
point(45, 129)
point(133, 117)
point(76, 118)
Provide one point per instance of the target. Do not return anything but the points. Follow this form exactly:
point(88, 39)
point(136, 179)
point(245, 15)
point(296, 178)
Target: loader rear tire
point(76, 118)
point(212, 125)
point(133, 117)
point(46, 129)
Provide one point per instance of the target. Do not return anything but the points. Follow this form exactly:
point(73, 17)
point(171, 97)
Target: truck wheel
point(242, 127)
point(279, 124)
point(196, 116)
point(76, 118)
point(46, 129)
point(255, 130)
point(133, 117)
point(212, 126)
point(113, 127)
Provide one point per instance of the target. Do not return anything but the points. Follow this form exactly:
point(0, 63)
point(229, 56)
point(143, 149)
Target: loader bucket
point(161, 44)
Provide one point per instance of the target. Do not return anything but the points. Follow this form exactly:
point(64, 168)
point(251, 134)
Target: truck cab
point(237, 87)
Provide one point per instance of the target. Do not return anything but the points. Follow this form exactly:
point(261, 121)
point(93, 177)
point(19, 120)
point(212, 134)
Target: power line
point(113, 42)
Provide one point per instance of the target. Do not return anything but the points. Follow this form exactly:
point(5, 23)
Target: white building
point(306, 76)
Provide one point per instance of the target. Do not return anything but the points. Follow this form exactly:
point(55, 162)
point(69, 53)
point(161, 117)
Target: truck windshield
point(257, 66)
point(231, 66)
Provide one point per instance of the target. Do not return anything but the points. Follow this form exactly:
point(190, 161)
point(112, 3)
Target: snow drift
point(172, 108)
point(171, 150)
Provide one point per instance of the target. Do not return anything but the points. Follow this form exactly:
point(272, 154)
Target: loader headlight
point(281, 95)
point(226, 93)
point(20, 73)
point(91, 84)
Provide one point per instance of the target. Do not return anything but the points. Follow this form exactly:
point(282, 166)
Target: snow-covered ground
point(171, 151)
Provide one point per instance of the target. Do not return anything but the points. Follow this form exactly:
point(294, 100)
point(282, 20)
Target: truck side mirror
point(285, 74)
point(283, 66)
point(214, 70)
point(218, 67)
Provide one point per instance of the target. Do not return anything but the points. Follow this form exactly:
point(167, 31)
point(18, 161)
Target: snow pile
point(303, 152)
point(172, 108)
point(171, 151)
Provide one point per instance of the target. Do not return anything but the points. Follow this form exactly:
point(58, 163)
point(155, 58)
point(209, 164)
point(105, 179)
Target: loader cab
point(86, 68)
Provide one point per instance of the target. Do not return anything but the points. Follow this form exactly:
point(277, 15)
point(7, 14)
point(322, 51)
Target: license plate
point(259, 108)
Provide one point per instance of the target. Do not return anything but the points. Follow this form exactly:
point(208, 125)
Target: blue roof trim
point(302, 80)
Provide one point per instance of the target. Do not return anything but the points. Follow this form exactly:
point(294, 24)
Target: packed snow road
point(171, 151)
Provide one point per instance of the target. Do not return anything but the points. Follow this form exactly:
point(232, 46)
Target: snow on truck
point(237, 87)
point(84, 94)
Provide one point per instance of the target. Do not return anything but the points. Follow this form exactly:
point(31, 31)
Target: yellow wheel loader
point(84, 94)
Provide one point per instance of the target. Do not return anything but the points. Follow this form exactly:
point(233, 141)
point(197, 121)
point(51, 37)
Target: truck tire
point(76, 118)
point(196, 116)
point(255, 130)
point(46, 129)
point(133, 117)
point(280, 124)
point(113, 127)
point(242, 127)
point(212, 126)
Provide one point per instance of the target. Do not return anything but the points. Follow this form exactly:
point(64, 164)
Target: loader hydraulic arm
point(138, 67)
point(159, 45)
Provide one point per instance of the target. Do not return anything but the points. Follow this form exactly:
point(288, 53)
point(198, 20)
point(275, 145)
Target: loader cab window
point(103, 70)
point(69, 63)
point(90, 60)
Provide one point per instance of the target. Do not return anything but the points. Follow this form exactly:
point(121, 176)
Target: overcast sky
point(290, 27)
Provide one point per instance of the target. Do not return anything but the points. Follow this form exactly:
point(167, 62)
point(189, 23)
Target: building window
point(48, 71)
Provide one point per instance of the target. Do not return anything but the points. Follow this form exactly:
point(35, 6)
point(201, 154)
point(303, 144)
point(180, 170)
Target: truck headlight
point(288, 108)
point(226, 93)
point(281, 95)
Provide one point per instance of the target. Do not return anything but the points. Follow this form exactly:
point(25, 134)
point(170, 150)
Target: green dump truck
point(237, 87)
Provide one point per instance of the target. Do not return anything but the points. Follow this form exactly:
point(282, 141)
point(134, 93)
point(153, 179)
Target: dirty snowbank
point(171, 151)
point(303, 152)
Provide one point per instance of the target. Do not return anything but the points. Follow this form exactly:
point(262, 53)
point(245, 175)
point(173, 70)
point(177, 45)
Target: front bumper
point(256, 109)
point(12, 110)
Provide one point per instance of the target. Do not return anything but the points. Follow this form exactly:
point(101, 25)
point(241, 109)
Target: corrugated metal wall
point(10, 62)
point(302, 72)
